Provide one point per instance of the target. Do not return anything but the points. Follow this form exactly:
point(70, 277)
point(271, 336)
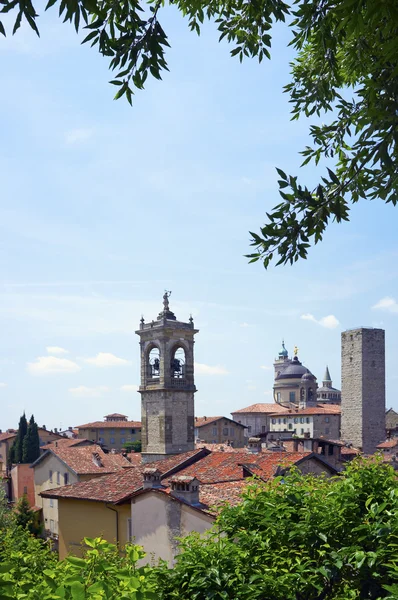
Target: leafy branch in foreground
point(346, 65)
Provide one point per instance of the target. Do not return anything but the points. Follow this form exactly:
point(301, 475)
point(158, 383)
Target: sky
point(104, 206)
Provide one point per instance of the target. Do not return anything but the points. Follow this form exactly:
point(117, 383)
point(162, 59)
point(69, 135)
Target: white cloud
point(129, 388)
point(83, 391)
point(387, 304)
point(75, 136)
point(2, 384)
point(330, 322)
point(46, 365)
point(106, 359)
point(202, 369)
point(266, 367)
point(56, 350)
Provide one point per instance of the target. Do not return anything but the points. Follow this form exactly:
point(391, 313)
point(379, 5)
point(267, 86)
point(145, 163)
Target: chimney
point(97, 460)
point(55, 430)
point(151, 478)
point(70, 428)
point(254, 445)
point(185, 488)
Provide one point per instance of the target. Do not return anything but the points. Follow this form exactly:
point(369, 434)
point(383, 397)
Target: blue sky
point(104, 206)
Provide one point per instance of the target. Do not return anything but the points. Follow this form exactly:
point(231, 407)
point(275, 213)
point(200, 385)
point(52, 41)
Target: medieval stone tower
point(167, 385)
point(363, 388)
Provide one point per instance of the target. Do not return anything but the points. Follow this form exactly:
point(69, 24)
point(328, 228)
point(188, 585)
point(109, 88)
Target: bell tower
point(167, 385)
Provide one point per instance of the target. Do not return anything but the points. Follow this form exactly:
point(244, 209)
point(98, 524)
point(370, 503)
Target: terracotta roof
point(388, 444)
point(202, 421)
point(216, 494)
point(85, 460)
point(134, 458)
point(172, 464)
point(347, 451)
point(111, 425)
point(7, 436)
point(261, 408)
point(217, 447)
point(67, 442)
point(115, 415)
point(329, 409)
point(109, 488)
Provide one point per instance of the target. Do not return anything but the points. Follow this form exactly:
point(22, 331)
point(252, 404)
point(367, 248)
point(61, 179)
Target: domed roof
point(294, 371)
point(283, 352)
point(308, 376)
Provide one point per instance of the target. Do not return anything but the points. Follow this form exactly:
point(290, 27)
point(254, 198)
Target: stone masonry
point(167, 398)
point(363, 388)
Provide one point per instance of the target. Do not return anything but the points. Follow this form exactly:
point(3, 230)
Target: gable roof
point(261, 407)
point(327, 409)
point(202, 421)
point(7, 436)
point(111, 425)
point(86, 460)
point(67, 442)
point(389, 443)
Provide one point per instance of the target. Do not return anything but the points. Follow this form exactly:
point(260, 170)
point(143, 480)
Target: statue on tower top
point(166, 312)
point(166, 297)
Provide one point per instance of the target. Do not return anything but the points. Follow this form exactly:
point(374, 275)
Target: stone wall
point(363, 388)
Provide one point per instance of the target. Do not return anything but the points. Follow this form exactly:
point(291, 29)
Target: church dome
point(308, 377)
point(283, 352)
point(294, 371)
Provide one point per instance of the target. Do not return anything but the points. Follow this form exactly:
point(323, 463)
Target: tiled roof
point(67, 443)
point(83, 460)
point(175, 463)
point(217, 447)
point(347, 451)
point(388, 444)
point(261, 408)
point(114, 415)
point(329, 409)
point(109, 488)
point(202, 421)
point(134, 458)
point(221, 466)
point(7, 436)
point(111, 425)
point(215, 494)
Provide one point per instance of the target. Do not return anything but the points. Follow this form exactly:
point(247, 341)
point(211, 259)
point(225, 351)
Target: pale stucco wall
point(158, 519)
point(81, 518)
point(43, 483)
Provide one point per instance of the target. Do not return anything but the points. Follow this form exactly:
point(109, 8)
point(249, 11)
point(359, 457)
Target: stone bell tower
point(167, 385)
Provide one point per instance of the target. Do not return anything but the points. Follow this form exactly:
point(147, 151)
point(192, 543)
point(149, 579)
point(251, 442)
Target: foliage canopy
point(346, 66)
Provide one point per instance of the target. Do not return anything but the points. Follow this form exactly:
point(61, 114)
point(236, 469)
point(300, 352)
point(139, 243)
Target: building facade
point(312, 422)
point(167, 385)
point(256, 418)
point(112, 433)
point(294, 384)
point(219, 430)
point(363, 420)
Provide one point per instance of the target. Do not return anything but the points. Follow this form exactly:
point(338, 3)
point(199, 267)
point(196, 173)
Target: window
point(290, 426)
point(51, 503)
point(122, 432)
point(133, 431)
point(279, 421)
point(327, 431)
point(307, 420)
point(58, 478)
point(101, 440)
point(112, 440)
point(122, 440)
point(274, 421)
point(249, 429)
point(278, 396)
point(225, 431)
point(25, 490)
point(232, 432)
point(284, 421)
point(292, 396)
point(327, 419)
point(302, 430)
point(301, 419)
point(112, 432)
point(101, 431)
point(50, 476)
point(296, 419)
point(263, 429)
point(214, 430)
point(52, 526)
point(66, 478)
point(129, 530)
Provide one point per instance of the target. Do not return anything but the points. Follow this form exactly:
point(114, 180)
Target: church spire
point(327, 380)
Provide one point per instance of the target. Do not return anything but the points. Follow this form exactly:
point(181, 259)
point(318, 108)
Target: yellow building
point(112, 433)
point(65, 464)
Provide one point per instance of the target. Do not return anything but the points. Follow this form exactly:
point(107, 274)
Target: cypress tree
point(31, 443)
point(16, 452)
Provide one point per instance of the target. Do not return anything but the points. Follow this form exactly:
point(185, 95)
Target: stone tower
point(363, 404)
point(167, 385)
